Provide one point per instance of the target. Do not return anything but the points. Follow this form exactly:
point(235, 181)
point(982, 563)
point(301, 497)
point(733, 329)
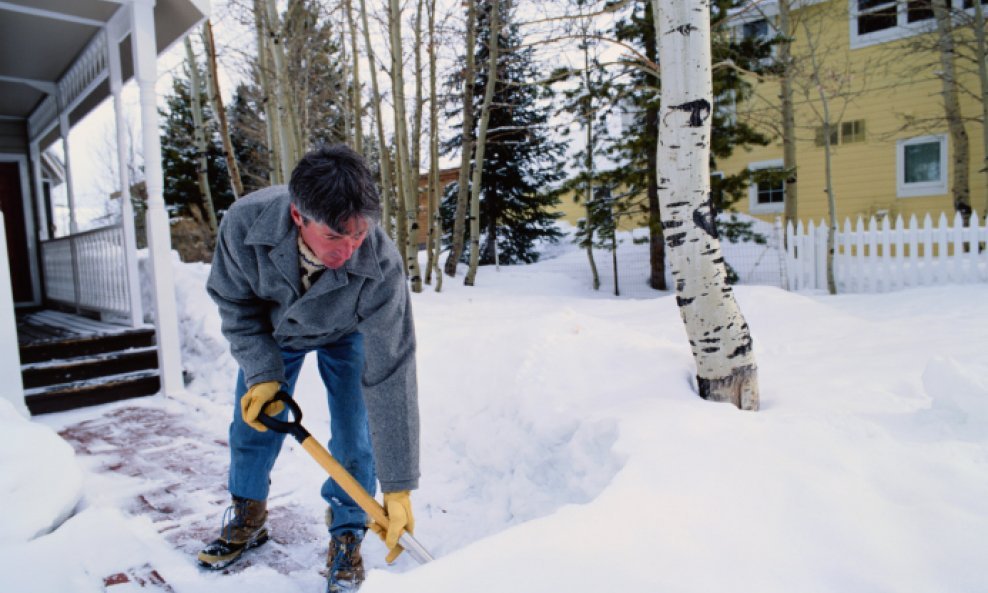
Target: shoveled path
point(180, 484)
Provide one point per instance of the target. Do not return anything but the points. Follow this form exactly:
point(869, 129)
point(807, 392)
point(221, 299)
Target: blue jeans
point(252, 453)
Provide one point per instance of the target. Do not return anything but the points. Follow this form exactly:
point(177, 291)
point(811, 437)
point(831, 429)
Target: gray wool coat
point(255, 281)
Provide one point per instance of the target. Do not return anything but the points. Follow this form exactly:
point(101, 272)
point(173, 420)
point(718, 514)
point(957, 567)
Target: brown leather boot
point(346, 566)
point(243, 529)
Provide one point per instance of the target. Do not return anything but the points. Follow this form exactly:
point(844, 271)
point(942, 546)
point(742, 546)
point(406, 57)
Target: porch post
point(39, 189)
point(159, 241)
point(126, 207)
point(12, 387)
point(63, 129)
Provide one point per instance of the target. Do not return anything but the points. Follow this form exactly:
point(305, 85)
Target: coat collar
point(275, 228)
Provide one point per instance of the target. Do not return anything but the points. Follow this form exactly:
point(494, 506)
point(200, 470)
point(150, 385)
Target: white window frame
point(925, 188)
point(753, 206)
point(901, 30)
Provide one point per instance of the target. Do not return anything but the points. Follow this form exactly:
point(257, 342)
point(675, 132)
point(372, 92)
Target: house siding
point(893, 82)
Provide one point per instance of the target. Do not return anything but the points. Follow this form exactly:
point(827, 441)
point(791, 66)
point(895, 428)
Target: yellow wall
point(889, 82)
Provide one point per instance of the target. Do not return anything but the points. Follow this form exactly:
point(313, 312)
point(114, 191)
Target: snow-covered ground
point(563, 449)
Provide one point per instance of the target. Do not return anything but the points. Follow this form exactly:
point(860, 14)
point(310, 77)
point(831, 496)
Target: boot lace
point(233, 517)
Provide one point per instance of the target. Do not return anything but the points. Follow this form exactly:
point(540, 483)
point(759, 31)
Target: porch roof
point(51, 53)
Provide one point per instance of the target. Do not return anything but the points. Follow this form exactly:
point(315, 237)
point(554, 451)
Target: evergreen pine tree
point(522, 164)
point(179, 156)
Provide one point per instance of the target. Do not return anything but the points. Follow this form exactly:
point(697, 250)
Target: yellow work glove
point(398, 507)
point(253, 401)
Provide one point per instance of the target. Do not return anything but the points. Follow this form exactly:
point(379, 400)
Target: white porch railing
point(884, 256)
point(88, 270)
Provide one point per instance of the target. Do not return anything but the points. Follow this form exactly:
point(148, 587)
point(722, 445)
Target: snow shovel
point(337, 472)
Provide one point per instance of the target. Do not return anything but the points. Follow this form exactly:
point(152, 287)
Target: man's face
point(333, 249)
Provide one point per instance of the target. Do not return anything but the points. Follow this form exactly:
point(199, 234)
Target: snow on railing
point(884, 256)
point(88, 270)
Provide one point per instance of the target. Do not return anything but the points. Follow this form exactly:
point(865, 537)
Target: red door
point(13, 222)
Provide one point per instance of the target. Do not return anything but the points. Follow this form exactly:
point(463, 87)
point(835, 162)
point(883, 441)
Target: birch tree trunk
point(415, 144)
point(478, 168)
point(358, 103)
point(219, 111)
point(952, 110)
point(718, 333)
point(466, 144)
point(387, 180)
point(981, 51)
point(790, 189)
point(588, 115)
point(435, 219)
point(407, 192)
point(272, 127)
point(199, 135)
point(289, 142)
point(815, 73)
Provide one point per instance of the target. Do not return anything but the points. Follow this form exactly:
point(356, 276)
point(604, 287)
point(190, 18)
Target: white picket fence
point(881, 256)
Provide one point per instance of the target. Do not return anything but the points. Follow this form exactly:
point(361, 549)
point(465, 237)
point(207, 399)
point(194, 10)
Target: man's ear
point(296, 215)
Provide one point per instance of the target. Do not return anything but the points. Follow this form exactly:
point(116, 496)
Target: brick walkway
point(180, 484)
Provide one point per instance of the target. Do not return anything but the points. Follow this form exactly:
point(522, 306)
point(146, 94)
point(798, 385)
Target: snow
point(564, 449)
point(34, 496)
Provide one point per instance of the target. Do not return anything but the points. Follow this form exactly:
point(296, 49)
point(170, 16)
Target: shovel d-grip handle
point(294, 427)
point(337, 472)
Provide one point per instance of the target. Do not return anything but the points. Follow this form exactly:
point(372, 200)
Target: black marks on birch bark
point(703, 217)
point(675, 239)
point(682, 302)
point(699, 110)
point(685, 30)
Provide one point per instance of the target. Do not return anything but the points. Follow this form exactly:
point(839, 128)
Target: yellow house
point(891, 150)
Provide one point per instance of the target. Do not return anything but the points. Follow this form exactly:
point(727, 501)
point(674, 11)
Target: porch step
point(72, 361)
point(90, 392)
point(42, 374)
point(86, 345)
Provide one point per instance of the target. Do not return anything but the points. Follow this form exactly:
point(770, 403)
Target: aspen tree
point(960, 188)
point(828, 125)
point(790, 206)
point(466, 146)
point(478, 170)
point(407, 190)
point(387, 180)
point(219, 111)
point(275, 138)
point(199, 135)
point(434, 240)
point(981, 52)
point(718, 334)
point(358, 103)
point(289, 142)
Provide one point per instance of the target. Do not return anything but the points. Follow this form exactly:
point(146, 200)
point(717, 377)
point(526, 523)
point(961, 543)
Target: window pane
point(866, 4)
point(876, 21)
point(853, 131)
point(755, 29)
point(919, 10)
point(922, 162)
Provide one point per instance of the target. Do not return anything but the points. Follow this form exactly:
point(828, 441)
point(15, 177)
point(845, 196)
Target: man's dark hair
point(331, 185)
